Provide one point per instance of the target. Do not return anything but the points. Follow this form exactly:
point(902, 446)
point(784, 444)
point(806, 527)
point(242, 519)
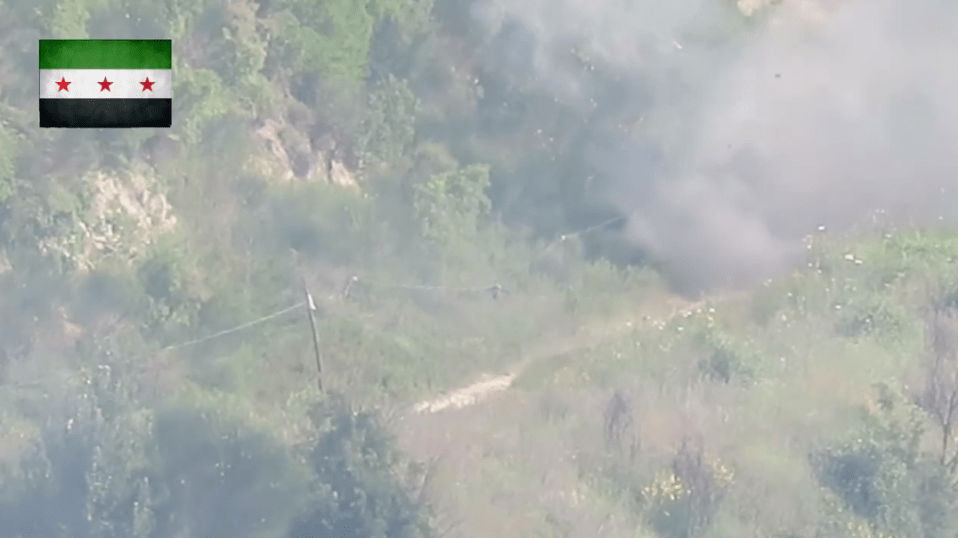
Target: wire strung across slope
point(188, 343)
point(231, 330)
point(583, 231)
point(493, 289)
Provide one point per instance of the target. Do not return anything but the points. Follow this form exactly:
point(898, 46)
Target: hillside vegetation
point(816, 405)
point(401, 170)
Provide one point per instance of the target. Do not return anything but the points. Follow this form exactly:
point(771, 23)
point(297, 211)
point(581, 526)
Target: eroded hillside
point(489, 208)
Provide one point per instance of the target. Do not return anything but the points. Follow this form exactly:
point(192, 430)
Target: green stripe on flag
point(106, 54)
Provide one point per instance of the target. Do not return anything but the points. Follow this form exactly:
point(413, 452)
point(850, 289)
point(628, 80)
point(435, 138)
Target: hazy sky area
point(830, 115)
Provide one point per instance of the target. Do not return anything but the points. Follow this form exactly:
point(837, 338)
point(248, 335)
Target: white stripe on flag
point(86, 83)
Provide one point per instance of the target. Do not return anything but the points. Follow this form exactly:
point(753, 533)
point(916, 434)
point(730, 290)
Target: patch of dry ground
point(497, 464)
point(488, 386)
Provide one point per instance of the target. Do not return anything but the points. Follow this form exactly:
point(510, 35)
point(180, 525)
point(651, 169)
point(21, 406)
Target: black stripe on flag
point(106, 113)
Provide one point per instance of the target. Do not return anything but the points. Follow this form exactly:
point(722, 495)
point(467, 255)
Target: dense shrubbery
point(115, 245)
point(94, 461)
point(379, 150)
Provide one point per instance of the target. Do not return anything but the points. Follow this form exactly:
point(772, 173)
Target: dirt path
point(489, 386)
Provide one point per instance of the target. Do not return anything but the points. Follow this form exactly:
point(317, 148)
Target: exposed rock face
point(339, 175)
point(124, 216)
point(274, 162)
point(290, 154)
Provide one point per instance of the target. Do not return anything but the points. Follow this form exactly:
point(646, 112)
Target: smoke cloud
point(826, 115)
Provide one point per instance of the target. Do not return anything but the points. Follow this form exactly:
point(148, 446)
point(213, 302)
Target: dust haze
point(840, 114)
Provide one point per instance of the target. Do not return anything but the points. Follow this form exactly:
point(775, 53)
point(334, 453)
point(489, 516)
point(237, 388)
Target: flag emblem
point(104, 83)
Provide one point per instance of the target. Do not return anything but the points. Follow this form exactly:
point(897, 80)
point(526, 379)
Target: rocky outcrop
point(124, 216)
point(289, 154)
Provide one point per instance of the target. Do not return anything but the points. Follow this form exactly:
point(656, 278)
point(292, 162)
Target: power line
point(180, 345)
point(310, 308)
point(383, 285)
point(594, 227)
point(565, 237)
point(234, 329)
point(494, 290)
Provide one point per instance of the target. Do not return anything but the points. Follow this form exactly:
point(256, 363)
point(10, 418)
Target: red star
point(104, 85)
point(62, 83)
point(148, 85)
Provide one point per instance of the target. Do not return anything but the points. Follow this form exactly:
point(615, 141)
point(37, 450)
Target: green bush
point(221, 477)
point(684, 502)
point(356, 494)
point(881, 475)
point(875, 317)
point(201, 464)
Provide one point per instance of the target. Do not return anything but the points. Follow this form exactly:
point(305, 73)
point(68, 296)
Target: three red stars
point(64, 85)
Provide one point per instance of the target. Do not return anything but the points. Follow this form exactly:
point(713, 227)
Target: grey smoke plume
point(826, 116)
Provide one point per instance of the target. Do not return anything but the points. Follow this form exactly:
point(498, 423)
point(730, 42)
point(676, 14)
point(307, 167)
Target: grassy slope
point(801, 353)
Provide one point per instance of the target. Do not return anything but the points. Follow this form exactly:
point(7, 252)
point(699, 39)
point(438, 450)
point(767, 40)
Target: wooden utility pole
point(310, 308)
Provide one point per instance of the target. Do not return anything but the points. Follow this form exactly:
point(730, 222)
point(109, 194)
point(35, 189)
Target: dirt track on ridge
point(489, 386)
